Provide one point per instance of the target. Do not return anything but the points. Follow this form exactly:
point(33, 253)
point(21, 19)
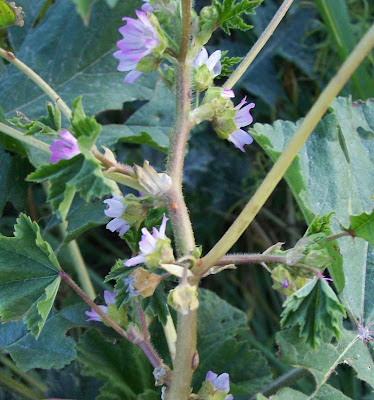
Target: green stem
point(339, 235)
point(29, 140)
point(75, 257)
point(262, 40)
point(124, 180)
point(26, 377)
point(18, 388)
point(7, 55)
point(284, 161)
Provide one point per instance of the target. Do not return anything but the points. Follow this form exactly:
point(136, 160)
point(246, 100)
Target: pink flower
point(140, 38)
point(109, 299)
point(146, 7)
point(148, 243)
point(115, 209)
point(65, 148)
point(227, 93)
point(219, 382)
point(213, 62)
point(242, 118)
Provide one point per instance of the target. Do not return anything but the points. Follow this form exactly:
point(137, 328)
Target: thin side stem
point(125, 180)
point(171, 336)
point(243, 259)
point(134, 336)
point(284, 161)
point(77, 260)
point(18, 388)
point(339, 235)
point(29, 140)
point(25, 377)
point(261, 41)
point(7, 55)
point(113, 165)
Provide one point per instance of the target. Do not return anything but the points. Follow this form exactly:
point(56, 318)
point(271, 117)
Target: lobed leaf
point(317, 311)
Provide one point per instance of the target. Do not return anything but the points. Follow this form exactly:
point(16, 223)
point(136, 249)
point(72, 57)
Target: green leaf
point(342, 145)
point(322, 363)
point(317, 311)
point(363, 226)
point(227, 63)
point(80, 174)
point(52, 349)
point(231, 13)
point(156, 305)
point(122, 366)
point(326, 392)
point(29, 271)
point(222, 346)
point(84, 7)
point(322, 225)
point(78, 68)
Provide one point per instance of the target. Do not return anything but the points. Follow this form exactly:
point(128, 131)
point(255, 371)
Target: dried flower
point(156, 184)
point(65, 148)
point(140, 39)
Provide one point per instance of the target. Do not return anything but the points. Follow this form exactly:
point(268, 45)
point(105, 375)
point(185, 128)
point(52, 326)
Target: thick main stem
point(178, 213)
point(284, 161)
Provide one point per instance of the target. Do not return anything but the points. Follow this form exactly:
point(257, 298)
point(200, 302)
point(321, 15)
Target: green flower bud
point(183, 298)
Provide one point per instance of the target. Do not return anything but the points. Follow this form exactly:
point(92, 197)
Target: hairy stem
point(7, 55)
point(113, 165)
point(178, 213)
point(125, 180)
point(134, 336)
point(29, 140)
point(262, 40)
point(339, 235)
point(284, 161)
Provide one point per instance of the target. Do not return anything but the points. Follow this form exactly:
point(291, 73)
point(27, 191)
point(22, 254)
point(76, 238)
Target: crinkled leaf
point(231, 13)
point(322, 363)
point(363, 226)
point(67, 177)
point(28, 272)
point(316, 310)
point(222, 346)
point(122, 366)
point(341, 144)
point(53, 349)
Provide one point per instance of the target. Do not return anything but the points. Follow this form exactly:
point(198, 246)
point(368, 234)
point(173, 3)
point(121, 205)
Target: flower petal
point(243, 116)
point(132, 76)
point(135, 261)
point(201, 58)
point(240, 138)
point(213, 63)
point(109, 297)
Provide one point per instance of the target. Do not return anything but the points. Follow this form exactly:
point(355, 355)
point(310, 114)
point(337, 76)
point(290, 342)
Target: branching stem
point(7, 55)
point(284, 161)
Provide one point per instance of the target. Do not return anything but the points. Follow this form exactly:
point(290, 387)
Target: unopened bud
point(10, 14)
point(183, 298)
point(156, 184)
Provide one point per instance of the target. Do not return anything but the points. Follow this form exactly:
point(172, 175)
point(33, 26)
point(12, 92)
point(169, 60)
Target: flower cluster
point(65, 148)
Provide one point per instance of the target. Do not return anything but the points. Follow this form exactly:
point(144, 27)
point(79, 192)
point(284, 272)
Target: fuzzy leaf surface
point(316, 309)
point(29, 275)
point(363, 226)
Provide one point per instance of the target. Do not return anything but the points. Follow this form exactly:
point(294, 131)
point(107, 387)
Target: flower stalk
point(286, 158)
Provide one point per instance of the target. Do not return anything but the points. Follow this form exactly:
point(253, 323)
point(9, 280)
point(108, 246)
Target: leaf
point(317, 311)
point(122, 366)
point(222, 346)
point(52, 349)
point(75, 68)
point(322, 225)
point(230, 13)
point(84, 7)
point(67, 177)
point(342, 145)
point(326, 392)
point(349, 350)
point(81, 217)
point(29, 274)
point(156, 305)
point(363, 226)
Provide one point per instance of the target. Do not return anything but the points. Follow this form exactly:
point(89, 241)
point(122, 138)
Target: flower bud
point(10, 14)
point(183, 298)
point(215, 387)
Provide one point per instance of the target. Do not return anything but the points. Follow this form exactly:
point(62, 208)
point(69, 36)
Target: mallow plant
point(151, 332)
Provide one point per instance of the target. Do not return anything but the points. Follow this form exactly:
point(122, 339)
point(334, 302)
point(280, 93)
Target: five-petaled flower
point(109, 299)
point(153, 247)
point(139, 40)
point(115, 209)
point(65, 148)
point(242, 118)
point(213, 62)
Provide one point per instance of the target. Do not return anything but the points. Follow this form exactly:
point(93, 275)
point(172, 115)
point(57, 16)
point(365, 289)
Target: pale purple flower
point(148, 243)
point(109, 299)
point(286, 283)
point(146, 7)
point(65, 148)
point(213, 62)
point(130, 288)
point(227, 93)
point(139, 40)
point(115, 209)
point(242, 118)
point(219, 382)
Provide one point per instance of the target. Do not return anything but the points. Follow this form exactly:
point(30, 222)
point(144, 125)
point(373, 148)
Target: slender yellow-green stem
point(7, 55)
point(25, 377)
point(171, 336)
point(18, 388)
point(75, 257)
point(29, 140)
point(262, 40)
point(284, 161)
point(124, 180)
